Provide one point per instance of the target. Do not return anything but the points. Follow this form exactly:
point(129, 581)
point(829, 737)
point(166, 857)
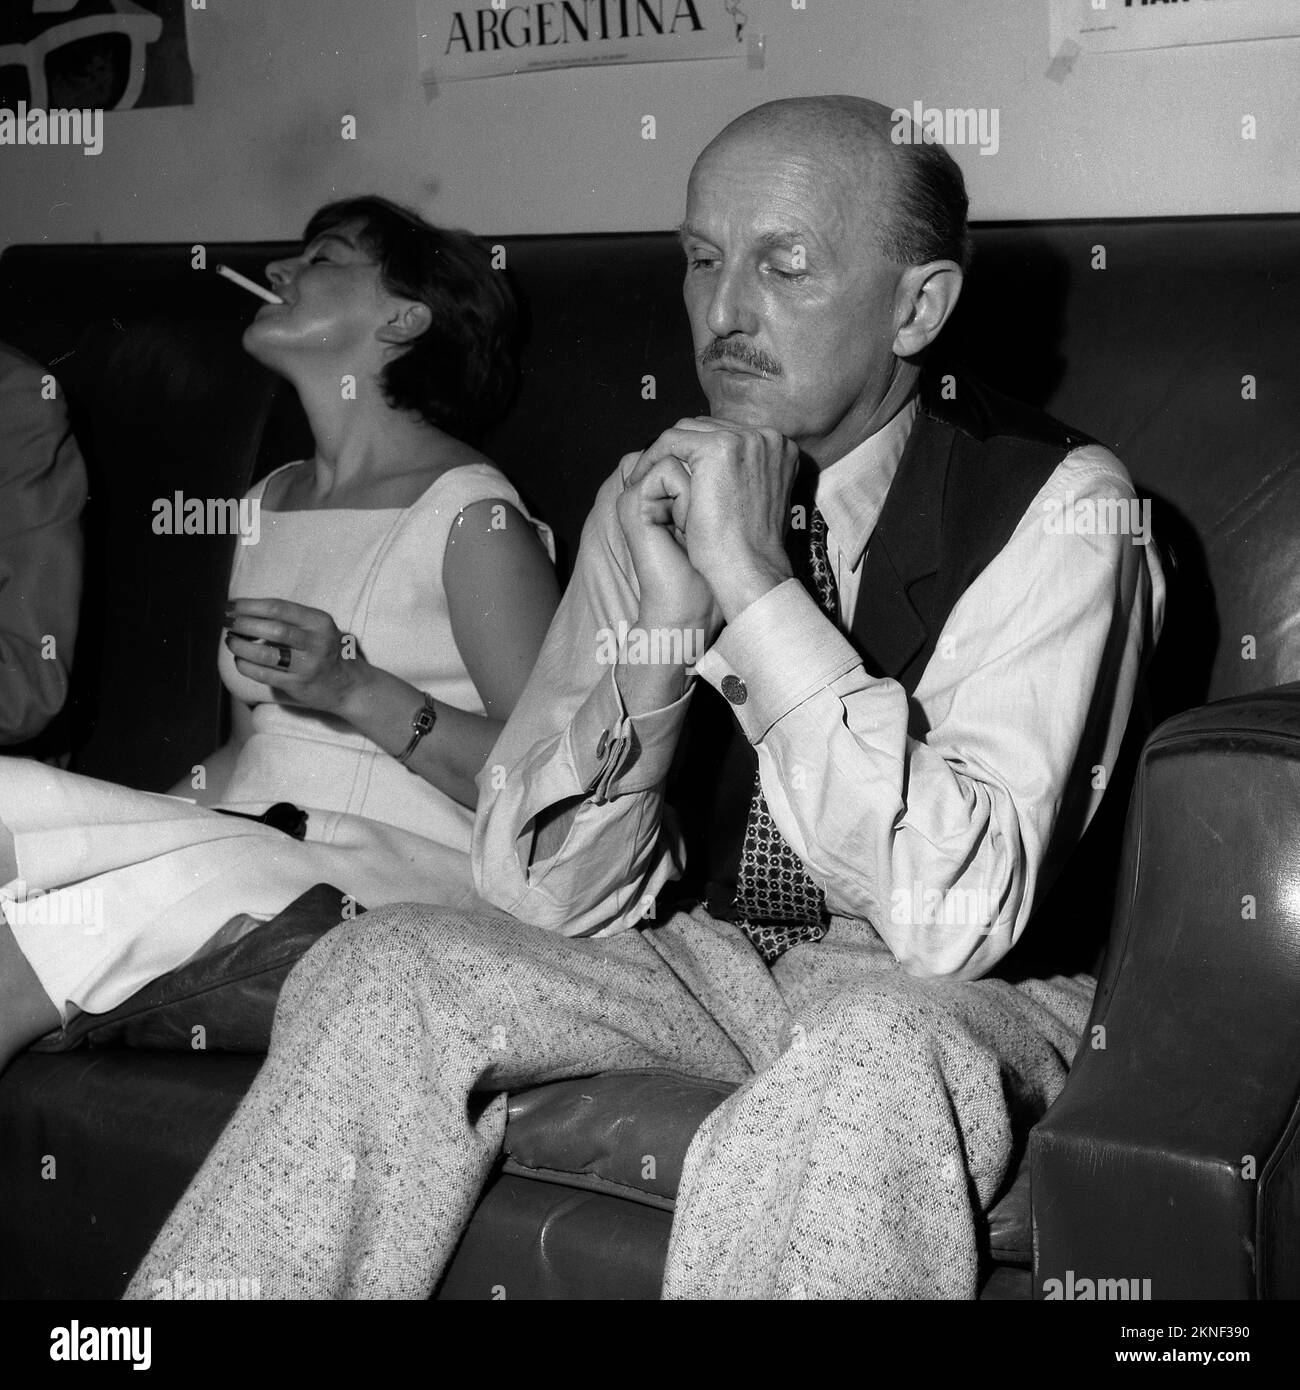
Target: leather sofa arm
point(1172, 1155)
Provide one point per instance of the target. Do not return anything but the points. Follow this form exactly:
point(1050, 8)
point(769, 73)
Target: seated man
point(42, 492)
point(918, 716)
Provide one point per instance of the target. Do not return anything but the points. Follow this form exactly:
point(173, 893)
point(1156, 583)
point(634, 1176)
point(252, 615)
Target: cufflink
point(735, 689)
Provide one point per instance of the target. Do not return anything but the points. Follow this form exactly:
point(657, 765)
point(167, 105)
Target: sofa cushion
point(625, 1134)
point(96, 1148)
point(223, 1001)
point(534, 1240)
point(1010, 1222)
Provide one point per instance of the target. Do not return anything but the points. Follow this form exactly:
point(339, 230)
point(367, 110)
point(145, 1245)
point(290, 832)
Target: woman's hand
point(298, 651)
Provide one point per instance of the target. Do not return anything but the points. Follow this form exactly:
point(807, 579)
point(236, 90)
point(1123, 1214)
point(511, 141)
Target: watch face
point(424, 716)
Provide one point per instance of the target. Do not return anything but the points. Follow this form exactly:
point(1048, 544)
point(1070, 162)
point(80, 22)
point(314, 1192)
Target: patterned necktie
point(777, 904)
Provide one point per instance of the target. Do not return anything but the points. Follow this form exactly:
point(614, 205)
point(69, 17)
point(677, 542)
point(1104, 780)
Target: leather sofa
point(1171, 1154)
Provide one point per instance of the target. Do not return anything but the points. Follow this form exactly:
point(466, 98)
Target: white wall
point(1137, 134)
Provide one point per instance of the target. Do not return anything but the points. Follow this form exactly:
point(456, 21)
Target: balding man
point(840, 600)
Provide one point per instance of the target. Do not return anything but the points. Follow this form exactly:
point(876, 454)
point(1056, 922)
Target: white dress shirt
point(938, 843)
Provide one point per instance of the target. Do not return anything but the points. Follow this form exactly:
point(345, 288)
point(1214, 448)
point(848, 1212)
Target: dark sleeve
point(42, 492)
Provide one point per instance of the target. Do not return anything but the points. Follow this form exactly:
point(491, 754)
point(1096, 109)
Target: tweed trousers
point(876, 1118)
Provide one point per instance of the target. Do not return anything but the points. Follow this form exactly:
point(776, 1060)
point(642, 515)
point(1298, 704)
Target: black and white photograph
point(649, 649)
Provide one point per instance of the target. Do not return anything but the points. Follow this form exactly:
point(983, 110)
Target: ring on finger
point(283, 656)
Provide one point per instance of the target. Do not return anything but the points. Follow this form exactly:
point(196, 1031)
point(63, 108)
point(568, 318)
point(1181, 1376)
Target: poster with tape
point(490, 38)
point(1110, 26)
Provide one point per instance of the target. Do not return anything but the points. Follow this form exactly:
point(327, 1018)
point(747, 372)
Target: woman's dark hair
point(460, 374)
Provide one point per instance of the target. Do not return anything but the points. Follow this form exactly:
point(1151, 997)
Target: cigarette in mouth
point(250, 285)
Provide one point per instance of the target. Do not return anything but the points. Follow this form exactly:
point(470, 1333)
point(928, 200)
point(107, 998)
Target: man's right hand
point(653, 513)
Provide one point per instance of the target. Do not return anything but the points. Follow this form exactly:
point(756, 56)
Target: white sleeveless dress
point(116, 887)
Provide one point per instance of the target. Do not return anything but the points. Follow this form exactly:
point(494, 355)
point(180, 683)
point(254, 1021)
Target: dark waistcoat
point(969, 470)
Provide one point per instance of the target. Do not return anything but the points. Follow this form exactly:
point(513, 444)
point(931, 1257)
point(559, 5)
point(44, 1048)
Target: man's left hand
point(739, 504)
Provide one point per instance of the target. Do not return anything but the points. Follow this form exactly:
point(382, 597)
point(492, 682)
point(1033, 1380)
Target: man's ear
point(927, 295)
point(406, 324)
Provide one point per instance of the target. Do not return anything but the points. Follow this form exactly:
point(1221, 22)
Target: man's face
point(791, 304)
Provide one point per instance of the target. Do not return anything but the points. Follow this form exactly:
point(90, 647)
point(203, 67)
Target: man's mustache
point(728, 349)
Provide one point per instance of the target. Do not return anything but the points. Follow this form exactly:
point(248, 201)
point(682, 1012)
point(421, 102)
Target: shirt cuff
point(774, 655)
point(617, 754)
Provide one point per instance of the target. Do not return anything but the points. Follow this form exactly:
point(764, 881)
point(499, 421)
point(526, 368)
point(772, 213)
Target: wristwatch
point(422, 721)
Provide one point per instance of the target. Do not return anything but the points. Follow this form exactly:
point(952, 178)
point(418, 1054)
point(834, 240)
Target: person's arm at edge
point(42, 493)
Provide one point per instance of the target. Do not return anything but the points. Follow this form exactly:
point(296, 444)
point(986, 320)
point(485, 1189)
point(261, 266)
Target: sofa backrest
point(162, 398)
point(1141, 333)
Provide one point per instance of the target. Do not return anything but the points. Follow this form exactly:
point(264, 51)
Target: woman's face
point(334, 304)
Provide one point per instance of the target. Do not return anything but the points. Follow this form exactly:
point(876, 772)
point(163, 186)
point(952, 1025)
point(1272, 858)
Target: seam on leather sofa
point(586, 1172)
point(723, 1088)
point(1242, 737)
point(588, 1182)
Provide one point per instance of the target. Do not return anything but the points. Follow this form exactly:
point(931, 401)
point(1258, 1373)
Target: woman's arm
point(501, 593)
point(220, 763)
